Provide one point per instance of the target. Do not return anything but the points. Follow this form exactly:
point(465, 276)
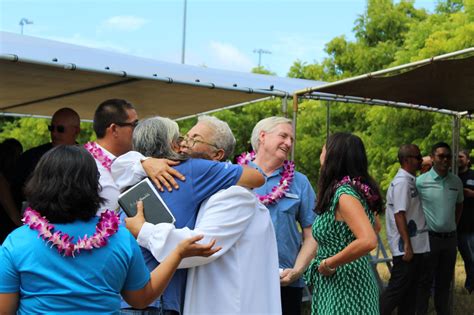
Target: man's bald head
point(65, 126)
point(410, 157)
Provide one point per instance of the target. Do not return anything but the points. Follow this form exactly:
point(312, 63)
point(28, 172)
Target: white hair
point(155, 137)
point(222, 137)
point(266, 125)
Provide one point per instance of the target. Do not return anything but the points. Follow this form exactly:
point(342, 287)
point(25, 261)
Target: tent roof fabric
point(38, 76)
point(437, 83)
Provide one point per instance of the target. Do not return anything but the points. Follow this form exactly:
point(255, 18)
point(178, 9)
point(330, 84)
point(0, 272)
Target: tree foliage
point(387, 33)
point(32, 132)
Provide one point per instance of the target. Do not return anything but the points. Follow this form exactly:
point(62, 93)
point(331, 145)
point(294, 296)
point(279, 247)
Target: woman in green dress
point(348, 200)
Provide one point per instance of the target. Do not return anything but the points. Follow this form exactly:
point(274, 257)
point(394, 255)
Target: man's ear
point(112, 129)
point(261, 137)
point(219, 155)
point(77, 131)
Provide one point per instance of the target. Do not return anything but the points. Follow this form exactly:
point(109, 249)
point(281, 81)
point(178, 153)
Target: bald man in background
point(64, 129)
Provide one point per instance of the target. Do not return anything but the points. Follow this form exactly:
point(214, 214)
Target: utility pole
point(261, 51)
point(24, 21)
point(184, 32)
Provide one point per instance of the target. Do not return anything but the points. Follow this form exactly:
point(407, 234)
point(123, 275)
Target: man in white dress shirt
point(114, 122)
point(243, 275)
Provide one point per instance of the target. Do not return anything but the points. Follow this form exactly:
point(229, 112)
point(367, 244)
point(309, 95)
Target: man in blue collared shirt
point(442, 198)
point(272, 139)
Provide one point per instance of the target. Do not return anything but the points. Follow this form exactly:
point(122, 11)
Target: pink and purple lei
point(364, 189)
point(285, 181)
point(107, 226)
point(99, 154)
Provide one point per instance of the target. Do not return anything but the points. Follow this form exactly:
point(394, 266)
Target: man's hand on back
point(161, 173)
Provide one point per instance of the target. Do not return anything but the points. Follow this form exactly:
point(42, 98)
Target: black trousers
point(403, 286)
point(291, 300)
point(440, 264)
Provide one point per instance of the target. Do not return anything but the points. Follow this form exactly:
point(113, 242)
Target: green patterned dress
point(352, 289)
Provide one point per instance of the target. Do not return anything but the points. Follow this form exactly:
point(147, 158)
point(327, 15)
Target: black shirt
point(466, 222)
point(24, 168)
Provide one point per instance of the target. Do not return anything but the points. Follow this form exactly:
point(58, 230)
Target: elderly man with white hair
point(243, 276)
point(290, 199)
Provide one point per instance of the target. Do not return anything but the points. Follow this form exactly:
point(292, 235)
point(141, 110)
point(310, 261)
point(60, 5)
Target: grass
point(463, 303)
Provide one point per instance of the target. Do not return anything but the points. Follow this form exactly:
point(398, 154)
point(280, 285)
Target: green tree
point(386, 34)
point(262, 70)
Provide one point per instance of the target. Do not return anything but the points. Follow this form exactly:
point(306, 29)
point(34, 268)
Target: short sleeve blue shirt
point(297, 206)
point(203, 179)
point(91, 282)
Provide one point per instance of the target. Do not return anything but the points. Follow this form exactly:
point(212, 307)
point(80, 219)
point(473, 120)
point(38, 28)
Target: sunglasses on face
point(132, 124)
point(444, 156)
point(58, 128)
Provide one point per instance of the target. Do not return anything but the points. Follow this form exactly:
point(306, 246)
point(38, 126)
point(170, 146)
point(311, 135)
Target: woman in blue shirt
point(45, 270)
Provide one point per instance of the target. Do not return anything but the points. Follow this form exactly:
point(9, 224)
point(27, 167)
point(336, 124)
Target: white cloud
point(227, 56)
point(125, 23)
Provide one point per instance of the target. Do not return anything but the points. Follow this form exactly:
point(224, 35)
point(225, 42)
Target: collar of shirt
point(276, 172)
point(109, 155)
point(403, 173)
point(435, 175)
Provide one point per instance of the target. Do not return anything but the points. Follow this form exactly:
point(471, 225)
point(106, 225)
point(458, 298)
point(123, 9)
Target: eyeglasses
point(444, 156)
point(190, 142)
point(132, 124)
point(58, 128)
point(418, 157)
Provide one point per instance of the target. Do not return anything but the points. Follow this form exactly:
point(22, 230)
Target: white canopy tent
point(38, 76)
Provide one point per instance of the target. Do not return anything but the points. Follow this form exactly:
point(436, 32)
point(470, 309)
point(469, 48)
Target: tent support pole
point(455, 142)
point(328, 118)
point(295, 114)
point(284, 106)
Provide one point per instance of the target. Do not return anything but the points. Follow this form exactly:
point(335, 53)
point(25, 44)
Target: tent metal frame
point(313, 93)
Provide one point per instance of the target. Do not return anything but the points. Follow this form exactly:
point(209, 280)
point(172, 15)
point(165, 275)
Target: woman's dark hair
point(345, 156)
point(65, 185)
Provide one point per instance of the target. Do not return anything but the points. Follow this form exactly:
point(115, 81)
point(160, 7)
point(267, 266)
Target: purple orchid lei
point(365, 189)
point(283, 186)
point(98, 154)
point(107, 226)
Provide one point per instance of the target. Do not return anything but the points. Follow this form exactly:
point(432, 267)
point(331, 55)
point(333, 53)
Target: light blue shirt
point(91, 282)
point(297, 206)
point(439, 196)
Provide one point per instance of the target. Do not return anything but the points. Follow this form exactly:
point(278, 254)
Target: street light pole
point(184, 33)
point(23, 22)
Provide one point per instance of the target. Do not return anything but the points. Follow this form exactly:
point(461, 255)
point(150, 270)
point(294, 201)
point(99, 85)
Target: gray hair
point(223, 137)
point(266, 125)
point(155, 137)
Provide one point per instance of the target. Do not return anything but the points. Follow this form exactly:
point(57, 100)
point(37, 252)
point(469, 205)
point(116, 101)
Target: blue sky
point(220, 33)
